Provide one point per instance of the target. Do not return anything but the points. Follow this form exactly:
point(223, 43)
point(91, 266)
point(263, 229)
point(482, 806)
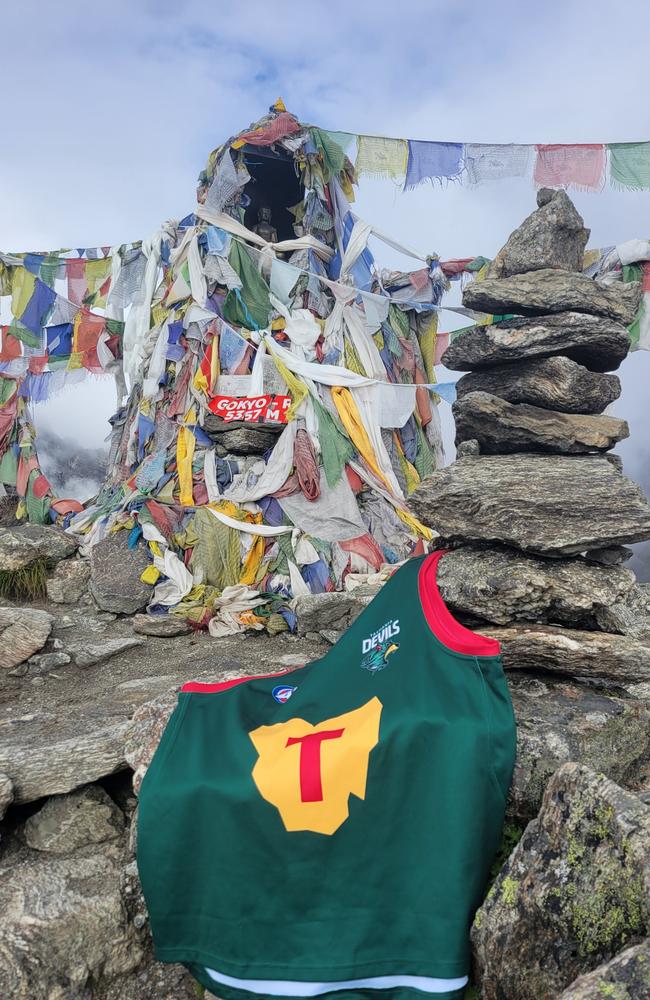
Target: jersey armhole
point(450, 632)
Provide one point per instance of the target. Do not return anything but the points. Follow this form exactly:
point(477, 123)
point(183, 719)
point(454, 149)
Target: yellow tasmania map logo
point(309, 772)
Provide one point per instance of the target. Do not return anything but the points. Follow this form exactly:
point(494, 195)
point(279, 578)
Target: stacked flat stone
point(540, 507)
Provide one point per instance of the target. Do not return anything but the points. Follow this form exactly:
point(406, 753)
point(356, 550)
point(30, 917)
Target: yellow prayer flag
point(22, 289)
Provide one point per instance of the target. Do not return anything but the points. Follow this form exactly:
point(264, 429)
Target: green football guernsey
point(328, 832)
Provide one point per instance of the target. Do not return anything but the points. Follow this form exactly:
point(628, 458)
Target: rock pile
point(543, 514)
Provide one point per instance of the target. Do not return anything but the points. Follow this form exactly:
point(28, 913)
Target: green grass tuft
point(27, 583)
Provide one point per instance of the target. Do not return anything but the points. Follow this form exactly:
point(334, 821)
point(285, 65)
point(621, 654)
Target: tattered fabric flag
point(64, 312)
point(331, 147)
point(283, 278)
point(87, 331)
point(11, 347)
point(232, 348)
point(33, 261)
point(495, 161)
point(39, 306)
point(581, 167)
point(77, 283)
point(639, 330)
point(227, 181)
point(429, 161)
point(97, 271)
point(59, 339)
point(629, 164)
point(378, 157)
point(266, 135)
point(23, 283)
point(130, 278)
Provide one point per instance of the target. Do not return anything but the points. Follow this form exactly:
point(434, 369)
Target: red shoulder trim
point(442, 623)
point(200, 687)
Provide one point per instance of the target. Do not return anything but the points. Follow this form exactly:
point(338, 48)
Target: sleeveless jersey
point(329, 832)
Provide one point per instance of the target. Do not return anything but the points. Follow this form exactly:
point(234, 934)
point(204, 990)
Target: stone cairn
point(536, 513)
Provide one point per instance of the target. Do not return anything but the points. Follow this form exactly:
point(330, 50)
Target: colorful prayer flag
point(495, 161)
point(429, 161)
point(581, 167)
point(629, 165)
point(379, 157)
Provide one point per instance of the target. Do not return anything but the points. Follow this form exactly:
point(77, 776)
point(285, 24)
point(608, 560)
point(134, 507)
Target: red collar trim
point(442, 623)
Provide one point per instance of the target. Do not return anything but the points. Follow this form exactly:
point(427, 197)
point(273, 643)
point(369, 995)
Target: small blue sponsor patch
point(282, 692)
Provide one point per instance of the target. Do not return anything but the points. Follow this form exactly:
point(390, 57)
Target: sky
point(113, 109)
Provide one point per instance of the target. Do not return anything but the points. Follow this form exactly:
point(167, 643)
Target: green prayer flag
point(249, 308)
point(629, 164)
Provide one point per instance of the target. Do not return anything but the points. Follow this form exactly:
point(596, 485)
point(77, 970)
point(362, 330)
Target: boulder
point(43, 663)
point(502, 428)
point(67, 822)
point(548, 504)
point(560, 721)
point(23, 631)
point(551, 291)
point(591, 341)
point(87, 654)
point(322, 611)
point(465, 449)
point(164, 626)
point(615, 659)
point(69, 582)
point(554, 383)
point(115, 572)
point(553, 236)
point(65, 927)
point(27, 543)
point(630, 616)
point(624, 977)
point(503, 586)
point(250, 439)
point(610, 555)
point(575, 891)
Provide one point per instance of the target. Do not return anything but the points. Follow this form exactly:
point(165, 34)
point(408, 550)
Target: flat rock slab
point(554, 383)
point(573, 653)
point(69, 581)
point(575, 891)
point(559, 721)
point(554, 235)
point(551, 291)
point(502, 428)
point(247, 440)
point(591, 341)
point(67, 822)
point(331, 611)
point(503, 586)
point(548, 504)
point(73, 729)
point(23, 631)
point(88, 654)
point(164, 626)
point(22, 545)
point(624, 977)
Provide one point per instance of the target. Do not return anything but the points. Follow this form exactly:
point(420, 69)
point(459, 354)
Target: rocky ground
point(537, 516)
point(82, 710)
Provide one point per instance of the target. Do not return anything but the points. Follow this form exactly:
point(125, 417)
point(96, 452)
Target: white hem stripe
point(293, 988)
